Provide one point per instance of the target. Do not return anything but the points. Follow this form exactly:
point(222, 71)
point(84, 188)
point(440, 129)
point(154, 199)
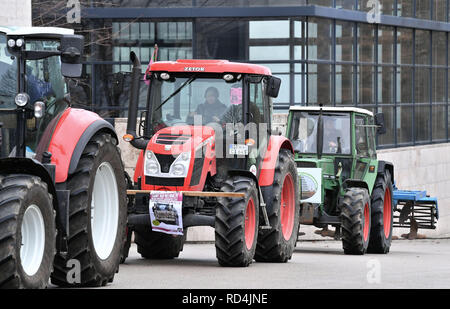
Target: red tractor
point(62, 185)
point(205, 132)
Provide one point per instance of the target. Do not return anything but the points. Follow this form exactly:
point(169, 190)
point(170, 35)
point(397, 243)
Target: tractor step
point(416, 209)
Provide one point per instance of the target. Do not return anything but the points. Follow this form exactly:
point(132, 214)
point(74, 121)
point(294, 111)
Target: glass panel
point(385, 44)
point(366, 43)
point(319, 39)
point(422, 123)
point(405, 8)
point(439, 44)
point(366, 84)
point(284, 95)
point(423, 9)
point(344, 41)
point(344, 85)
point(422, 47)
point(404, 84)
point(440, 10)
point(422, 86)
point(389, 117)
point(223, 39)
point(268, 29)
point(319, 84)
point(269, 52)
point(346, 4)
point(439, 86)
point(386, 85)
point(362, 148)
point(328, 3)
point(404, 124)
point(404, 46)
point(439, 121)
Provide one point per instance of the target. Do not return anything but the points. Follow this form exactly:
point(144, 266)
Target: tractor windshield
point(194, 100)
point(336, 133)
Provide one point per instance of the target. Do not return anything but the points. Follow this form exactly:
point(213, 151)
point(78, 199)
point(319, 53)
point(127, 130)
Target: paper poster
point(165, 212)
point(311, 181)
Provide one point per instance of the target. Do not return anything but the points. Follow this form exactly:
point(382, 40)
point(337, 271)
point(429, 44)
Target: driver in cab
point(212, 108)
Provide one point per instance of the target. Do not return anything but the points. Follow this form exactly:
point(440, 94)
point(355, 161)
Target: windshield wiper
point(188, 82)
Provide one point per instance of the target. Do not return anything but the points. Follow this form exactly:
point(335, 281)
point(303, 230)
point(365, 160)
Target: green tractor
point(342, 182)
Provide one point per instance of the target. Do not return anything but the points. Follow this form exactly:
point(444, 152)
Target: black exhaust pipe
point(136, 72)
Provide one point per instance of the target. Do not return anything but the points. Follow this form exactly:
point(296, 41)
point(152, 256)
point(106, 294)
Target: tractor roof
point(332, 109)
point(208, 66)
point(37, 31)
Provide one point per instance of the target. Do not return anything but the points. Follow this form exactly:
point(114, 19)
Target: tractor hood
point(180, 139)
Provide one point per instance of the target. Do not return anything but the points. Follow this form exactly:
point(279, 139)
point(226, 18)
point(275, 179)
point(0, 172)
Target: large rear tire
point(97, 215)
point(27, 232)
point(278, 243)
point(156, 245)
point(237, 222)
point(355, 221)
point(382, 215)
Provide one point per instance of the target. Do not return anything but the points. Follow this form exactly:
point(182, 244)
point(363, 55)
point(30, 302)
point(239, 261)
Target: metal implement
point(416, 209)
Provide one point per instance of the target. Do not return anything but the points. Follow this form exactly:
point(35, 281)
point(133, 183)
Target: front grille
point(198, 166)
point(172, 139)
point(165, 161)
point(168, 182)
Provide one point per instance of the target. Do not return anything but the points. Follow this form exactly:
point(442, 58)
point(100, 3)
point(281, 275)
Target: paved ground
point(318, 264)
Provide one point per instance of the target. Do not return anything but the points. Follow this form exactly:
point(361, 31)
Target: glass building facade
point(389, 56)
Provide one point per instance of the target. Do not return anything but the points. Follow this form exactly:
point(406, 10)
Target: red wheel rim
point(250, 222)
point(366, 221)
point(287, 207)
point(387, 209)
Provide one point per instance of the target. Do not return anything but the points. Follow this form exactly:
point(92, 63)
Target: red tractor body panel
point(68, 132)
point(207, 66)
point(199, 141)
point(276, 142)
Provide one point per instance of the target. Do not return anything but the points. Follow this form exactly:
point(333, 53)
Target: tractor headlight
point(11, 43)
point(151, 167)
point(22, 99)
point(19, 42)
point(180, 166)
point(178, 170)
point(39, 109)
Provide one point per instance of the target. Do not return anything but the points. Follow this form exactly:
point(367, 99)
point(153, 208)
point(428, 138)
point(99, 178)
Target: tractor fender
point(383, 166)
point(276, 142)
point(72, 133)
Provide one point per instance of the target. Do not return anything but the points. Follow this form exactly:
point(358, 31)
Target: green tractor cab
point(342, 182)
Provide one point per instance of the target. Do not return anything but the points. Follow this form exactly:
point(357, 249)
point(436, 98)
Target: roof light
point(165, 76)
point(11, 43)
point(228, 77)
point(22, 99)
point(20, 42)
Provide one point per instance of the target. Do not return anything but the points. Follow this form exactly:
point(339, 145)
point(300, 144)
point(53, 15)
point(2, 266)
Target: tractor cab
point(33, 92)
point(339, 140)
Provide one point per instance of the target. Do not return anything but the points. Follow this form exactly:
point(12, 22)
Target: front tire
point(355, 221)
point(156, 245)
point(278, 243)
point(27, 232)
point(237, 222)
point(97, 215)
point(382, 215)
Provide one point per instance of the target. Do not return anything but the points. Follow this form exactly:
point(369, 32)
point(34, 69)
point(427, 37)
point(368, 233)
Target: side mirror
point(273, 86)
point(71, 54)
point(379, 122)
